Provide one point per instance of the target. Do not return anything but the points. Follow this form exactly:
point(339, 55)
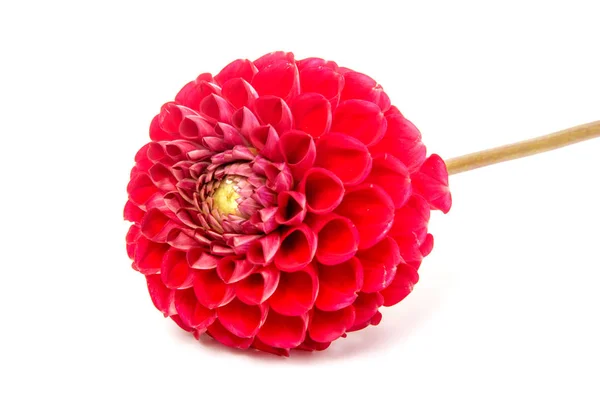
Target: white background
point(508, 301)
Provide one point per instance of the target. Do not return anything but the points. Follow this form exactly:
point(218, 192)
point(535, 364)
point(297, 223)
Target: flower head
point(281, 203)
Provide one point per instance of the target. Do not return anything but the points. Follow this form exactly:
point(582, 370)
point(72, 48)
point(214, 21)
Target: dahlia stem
point(524, 148)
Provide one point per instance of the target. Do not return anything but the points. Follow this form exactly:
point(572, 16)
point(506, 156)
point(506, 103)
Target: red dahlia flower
point(280, 203)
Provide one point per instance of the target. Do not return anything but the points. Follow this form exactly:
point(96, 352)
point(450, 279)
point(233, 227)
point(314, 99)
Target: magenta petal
point(245, 121)
point(371, 210)
point(195, 91)
point(132, 212)
point(148, 256)
point(296, 292)
point(283, 331)
point(218, 332)
point(298, 247)
point(182, 239)
point(241, 319)
point(393, 176)
point(195, 128)
point(240, 68)
point(280, 79)
point(156, 132)
point(427, 245)
point(323, 80)
point(292, 208)
point(210, 290)
point(431, 182)
point(361, 86)
point(239, 93)
point(274, 111)
point(156, 225)
point(191, 312)
point(198, 259)
point(360, 119)
point(162, 177)
point(379, 265)
point(171, 115)
point(232, 269)
point(312, 114)
point(259, 345)
point(324, 190)
point(131, 240)
point(266, 140)
point(140, 189)
point(337, 238)
point(259, 286)
point(346, 157)
point(264, 250)
point(366, 307)
point(216, 108)
point(403, 283)
point(299, 151)
point(339, 285)
point(402, 140)
point(174, 271)
point(326, 326)
point(411, 219)
point(162, 297)
point(314, 62)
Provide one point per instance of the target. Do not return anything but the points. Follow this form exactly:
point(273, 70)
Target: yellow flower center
point(225, 198)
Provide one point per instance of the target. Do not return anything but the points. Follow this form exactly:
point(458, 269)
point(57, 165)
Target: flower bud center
point(225, 198)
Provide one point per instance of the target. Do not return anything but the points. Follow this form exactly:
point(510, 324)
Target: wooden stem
point(524, 148)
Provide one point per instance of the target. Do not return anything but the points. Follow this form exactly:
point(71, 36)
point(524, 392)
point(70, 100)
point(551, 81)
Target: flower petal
point(210, 290)
point(296, 292)
point(431, 182)
point(239, 93)
point(292, 208)
point(264, 250)
point(241, 319)
point(298, 247)
point(360, 119)
point(232, 269)
point(323, 80)
point(324, 190)
point(371, 210)
point(191, 312)
point(299, 151)
point(411, 219)
point(282, 331)
point(240, 68)
point(326, 326)
point(274, 111)
point(174, 270)
point(162, 297)
point(337, 238)
point(280, 79)
point(148, 256)
point(259, 286)
point(393, 176)
point(245, 121)
point(218, 332)
point(402, 285)
point(312, 114)
point(379, 265)
point(339, 285)
point(361, 86)
point(366, 307)
point(198, 258)
point(346, 157)
point(266, 140)
point(216, 109)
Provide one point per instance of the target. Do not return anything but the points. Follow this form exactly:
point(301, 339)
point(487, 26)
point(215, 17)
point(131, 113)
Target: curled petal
point(324, 190)
point(162, 178)
point(323, 80)
point(337, 238)
point(131, 240)
point(264, 220)
point(274, 111)
point(403, 283)
point(231, 136)
point(162, 297)
point(195, 127)
point(195, 91)
point(299, 151)
point(360, 119)
point(140, 189)
point(410, 250)
point(198, 258)
point(241, 319)
point(366, 307)
point(181, 239)
point(314, 62)
point(171, 115)
point(312, 114)
point(402, 140)
point(240, 68)
point(218, 332)
point(298, 247)
point(156, 225)
point(282, 331)
point(346, 157)
point(193, 314)
point(393, 176)
point(427, 245)
point(339, 285)
point(148, 256)
point(156, 132)
point(361, 86)
point(431, 182)
point(174, 270)
point(239, 93)
point(296, 292)
point(216, 109)
point(411, 219)
point(266, 140)
point(259, 345)
point(232, 269)
point(259, 286)
point(279, 79)
point(310, 345)
point(245, 121)
point(273, 57)
point(263, 251)
point(326, 326)
point(181, 324)
point(292, 208)
point(371, 210)
point(132, 212)
point(210, 290)
point(379, 265)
